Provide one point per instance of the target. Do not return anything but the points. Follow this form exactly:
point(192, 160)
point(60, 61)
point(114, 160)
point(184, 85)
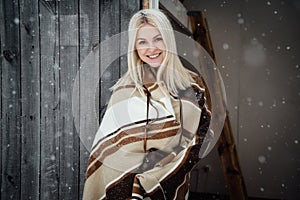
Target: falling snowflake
point(241, 21)
point(262, 159)
point(225, 46)
point(249, 100)
point(269, 148)
point(52, 157)
point(16, 21)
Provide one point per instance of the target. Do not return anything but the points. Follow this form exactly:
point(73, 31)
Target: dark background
point(256, 43)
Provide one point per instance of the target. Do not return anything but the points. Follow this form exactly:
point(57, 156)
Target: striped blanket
point(147, 145)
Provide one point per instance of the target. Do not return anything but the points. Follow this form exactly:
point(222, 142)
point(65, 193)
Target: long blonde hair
point(171, 72)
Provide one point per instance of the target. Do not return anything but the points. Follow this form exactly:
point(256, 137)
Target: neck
point(149, 74)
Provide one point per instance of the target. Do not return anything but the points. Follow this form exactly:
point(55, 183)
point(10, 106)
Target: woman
point(151, 134)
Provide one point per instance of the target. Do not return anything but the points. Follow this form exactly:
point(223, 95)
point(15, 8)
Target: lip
point(154, 56)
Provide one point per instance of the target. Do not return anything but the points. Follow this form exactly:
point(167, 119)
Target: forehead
point(147, 31)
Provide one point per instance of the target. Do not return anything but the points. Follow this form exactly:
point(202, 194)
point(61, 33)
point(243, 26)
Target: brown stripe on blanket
point(131, 124)
point(91, 169)
point(132, 139)
point(137, 190)
point(135, 130)
point(153, 87)
point(94, 165)
point(114, 148)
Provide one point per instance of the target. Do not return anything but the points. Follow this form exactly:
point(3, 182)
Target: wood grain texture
point(88, 123)
point(69, 66)
point(127, 9)
point(1, 63)
point(110, 25)
point(50, 135)
point(30, 87)
point(11, 104)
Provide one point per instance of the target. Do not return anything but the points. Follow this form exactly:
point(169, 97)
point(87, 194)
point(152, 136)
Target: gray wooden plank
point(30, 86)
point(1, 64)
point(69, 64)
point(50, 134)
point(11, 107)
point(127, 9)
point(88, 123)
point(110, 25)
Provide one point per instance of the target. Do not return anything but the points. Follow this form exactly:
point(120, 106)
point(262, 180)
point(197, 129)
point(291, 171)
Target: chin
point(155, 65)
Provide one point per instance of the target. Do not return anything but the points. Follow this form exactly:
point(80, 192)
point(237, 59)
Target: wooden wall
point(42, 44)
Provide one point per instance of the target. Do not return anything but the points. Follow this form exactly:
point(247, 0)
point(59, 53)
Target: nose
point(151, 47)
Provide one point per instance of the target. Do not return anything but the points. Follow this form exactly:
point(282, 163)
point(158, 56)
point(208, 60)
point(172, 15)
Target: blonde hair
point(171, 72)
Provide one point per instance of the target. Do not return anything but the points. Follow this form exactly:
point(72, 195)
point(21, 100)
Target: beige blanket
point(146, 146)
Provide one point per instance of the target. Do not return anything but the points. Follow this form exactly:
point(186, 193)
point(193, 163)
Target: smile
point(154, 56)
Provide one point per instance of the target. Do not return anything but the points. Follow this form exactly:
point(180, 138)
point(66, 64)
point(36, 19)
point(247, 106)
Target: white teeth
point(154, 56)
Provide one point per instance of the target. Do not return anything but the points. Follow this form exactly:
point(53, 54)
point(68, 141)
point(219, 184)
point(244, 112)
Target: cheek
point(140, 52)
point(162, 46)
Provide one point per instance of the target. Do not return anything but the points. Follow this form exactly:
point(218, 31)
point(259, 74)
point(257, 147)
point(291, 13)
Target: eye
point(158, 39)
point(141, 42)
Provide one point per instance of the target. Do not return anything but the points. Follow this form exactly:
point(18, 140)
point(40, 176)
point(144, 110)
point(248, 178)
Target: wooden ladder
point(226, 146)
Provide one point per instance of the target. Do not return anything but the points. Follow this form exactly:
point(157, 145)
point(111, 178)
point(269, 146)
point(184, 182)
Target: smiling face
point(150, 45)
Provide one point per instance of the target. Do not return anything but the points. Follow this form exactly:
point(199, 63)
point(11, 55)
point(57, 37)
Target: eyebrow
point(145, 39)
